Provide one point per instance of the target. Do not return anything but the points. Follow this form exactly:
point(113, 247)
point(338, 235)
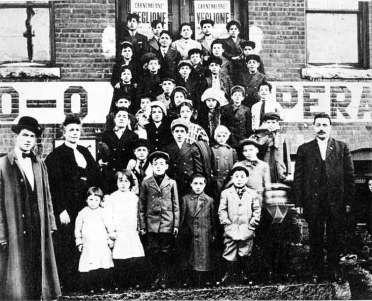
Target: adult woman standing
point(72, 170)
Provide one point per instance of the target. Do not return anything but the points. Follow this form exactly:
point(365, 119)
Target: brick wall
point(370, 33)
point(78, 38)
point(283, 25)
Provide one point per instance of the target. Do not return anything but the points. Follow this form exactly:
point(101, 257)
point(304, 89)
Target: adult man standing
point(324, 187)
point(27, 264)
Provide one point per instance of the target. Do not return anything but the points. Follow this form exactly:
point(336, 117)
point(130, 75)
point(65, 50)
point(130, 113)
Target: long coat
point(198, 216)
point(158, 137)
point(339, 179)
point(159, 206)
point(12, 227)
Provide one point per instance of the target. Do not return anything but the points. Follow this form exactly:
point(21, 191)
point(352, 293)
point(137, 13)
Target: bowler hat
point(28, 123)
point(157, 155)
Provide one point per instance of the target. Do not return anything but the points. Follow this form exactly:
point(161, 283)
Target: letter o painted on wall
point(9, 103)
point(71, 99)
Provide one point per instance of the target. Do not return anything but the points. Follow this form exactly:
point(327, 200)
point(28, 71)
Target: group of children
point(180, 154)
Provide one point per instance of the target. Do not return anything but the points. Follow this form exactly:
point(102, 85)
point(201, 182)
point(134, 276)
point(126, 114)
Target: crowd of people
point(191, 147)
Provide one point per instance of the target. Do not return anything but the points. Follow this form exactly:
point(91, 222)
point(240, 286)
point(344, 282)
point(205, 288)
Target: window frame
point(362, 34)
point(37, 4)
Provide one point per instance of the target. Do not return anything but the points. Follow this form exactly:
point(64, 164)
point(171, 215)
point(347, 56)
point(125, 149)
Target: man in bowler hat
point(27, 262)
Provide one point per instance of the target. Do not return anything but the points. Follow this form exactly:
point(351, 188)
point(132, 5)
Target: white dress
point(123, 207)
point(92, 228)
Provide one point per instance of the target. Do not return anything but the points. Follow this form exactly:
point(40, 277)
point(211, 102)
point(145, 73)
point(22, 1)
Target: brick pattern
point(283, 25)
point(78, 35)
point(370, 33)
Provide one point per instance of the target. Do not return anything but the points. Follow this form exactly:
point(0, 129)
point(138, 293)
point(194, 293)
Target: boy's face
point(370, 185)
point(264, 93)
point(165, 40)
point(185, 71)
point(141, 153)
point(121, 119)
point(159, 166)
point(123, 103)
point(186, 113)
point(167, 86)
point(179, 134)
point(195, 58)
point(72, 133)
point(127, 53)
point(145, 103)
point(271, 124)
point(186, 32)
point(211, 103)
point(217, 50)
point(158, 29)
point(123, 183)
point(247, 50)
point(179, 97)
point(214, 68)
point(126, 76)
point(253, 65)
point(250, 152)
point(222, 137)
point(207, 29)
point(237, 98)
point(93, 201)
point(26, 140)
point(153, 66)
point(198, 185)
point(239, 178)
point(156, 114)
point(234, 31)
point(132, 24)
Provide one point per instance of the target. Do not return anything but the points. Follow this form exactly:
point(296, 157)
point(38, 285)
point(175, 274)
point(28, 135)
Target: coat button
point(23, 216)
point(24, 232)
point(21, 180)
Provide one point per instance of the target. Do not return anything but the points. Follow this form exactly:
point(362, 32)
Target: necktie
point(262, 112)
point(141, 168)
point(27, 155)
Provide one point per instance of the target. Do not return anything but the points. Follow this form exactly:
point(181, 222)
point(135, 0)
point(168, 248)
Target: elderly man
point(324, 186)
point(27, 263)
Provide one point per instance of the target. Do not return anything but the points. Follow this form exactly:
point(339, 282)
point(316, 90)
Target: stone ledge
point(323, 291)
point(335, 72)
point(22, 71)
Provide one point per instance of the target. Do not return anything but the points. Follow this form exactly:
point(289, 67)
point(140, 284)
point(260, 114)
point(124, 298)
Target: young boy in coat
point(239, 212)
point(159, 216)
point(198, 223)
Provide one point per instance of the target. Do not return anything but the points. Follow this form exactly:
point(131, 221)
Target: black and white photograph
point(185, 149)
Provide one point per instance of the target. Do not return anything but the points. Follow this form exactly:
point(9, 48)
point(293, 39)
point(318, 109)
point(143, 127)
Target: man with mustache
point(324, 187)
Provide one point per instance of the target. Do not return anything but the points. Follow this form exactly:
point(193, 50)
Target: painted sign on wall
point(49, 102)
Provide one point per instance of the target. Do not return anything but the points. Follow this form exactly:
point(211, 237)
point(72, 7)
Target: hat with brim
point(126, 44)
point(179, 122)
point(184, 63)
point(239, 168)
point(249, 141)
point(238, 88)
point(158, 155)
point(213, 93)
point(253, 57)
point(27, 123)
point(141, 143)
point(271, 116)
point(160, 104)
point(246, 43)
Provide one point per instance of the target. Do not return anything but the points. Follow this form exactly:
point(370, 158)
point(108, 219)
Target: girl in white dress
point(128, 253)
point(94, 237)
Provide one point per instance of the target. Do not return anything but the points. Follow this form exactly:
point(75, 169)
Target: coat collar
point(201, 200)
point(330, 148)
point(164, 183)
point(13, 157)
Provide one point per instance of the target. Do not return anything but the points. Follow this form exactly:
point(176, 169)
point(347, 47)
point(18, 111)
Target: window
point(337, 32)
point(27, 34)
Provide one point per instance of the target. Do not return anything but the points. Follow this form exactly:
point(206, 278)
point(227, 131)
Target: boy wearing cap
point(151, 79)
point(237, 117)
point(267, 104)
point(26, 231)
point(185, 43)
point(247, 47)
point(250, 78)
point(159, 216)
point(217, 79)
point(167, 84)
point(168, 56)
point(196, 58)
point(185, 159)
point(239, 213)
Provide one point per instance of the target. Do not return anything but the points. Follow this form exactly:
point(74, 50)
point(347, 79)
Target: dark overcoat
point(158, 137)
point(12, 227)
point(339, 178)
point(169, 62)
point(198, 216)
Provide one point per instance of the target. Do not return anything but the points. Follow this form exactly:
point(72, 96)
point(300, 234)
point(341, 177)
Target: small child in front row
point(122, 208)
point(198, 219)
point(239, 212)
point(159, 217)
point(94, 238)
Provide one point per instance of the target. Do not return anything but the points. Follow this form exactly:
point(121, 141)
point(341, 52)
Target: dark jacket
point(158, 206)
point(153, 45)
point(150, 84)
point(225, 83)
point(239, 121)
point(169, 62)
point(12, 227)
point(139, 41)
point(231, 49)
point(339, 182)
point(68, 182)
point(160, 137)
point(133, 65)
point(128, 91)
